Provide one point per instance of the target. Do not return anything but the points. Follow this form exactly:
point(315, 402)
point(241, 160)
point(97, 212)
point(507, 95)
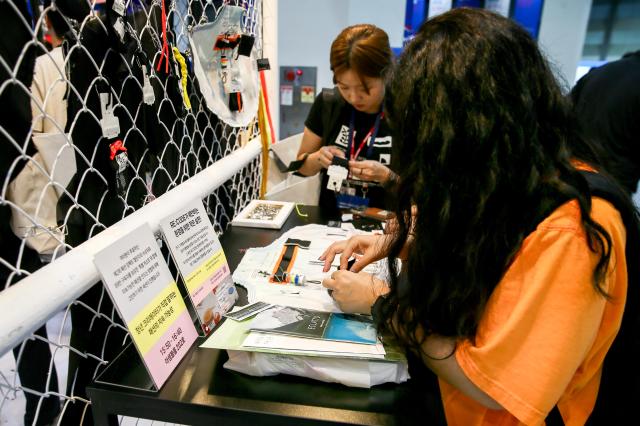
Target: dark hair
point(57, 17)
point(363, 48)
point(606, 102)
point(480, 134)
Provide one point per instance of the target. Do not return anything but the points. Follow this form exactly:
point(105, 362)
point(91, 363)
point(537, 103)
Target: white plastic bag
point(284, 186)
point(360, 373)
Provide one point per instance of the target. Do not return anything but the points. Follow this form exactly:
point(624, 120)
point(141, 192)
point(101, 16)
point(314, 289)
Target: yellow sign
point(154, 320)
point(194, 280)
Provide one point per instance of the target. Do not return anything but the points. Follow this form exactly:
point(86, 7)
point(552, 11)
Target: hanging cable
point(164, 54)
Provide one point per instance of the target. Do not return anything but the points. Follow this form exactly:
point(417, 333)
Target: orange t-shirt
point(545, 331)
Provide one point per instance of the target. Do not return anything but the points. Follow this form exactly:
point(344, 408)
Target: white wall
point(386, 14)
point(306, 29)
point(270, 50)
point(562, 31)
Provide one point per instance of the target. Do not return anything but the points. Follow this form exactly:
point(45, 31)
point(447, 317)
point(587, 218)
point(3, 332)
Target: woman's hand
point(371, 171)
point(324, 156)
point(318, 156)
point(367, 248)
point(355, 293)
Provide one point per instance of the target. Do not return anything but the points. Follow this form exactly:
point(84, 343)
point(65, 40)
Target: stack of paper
point(238, 336)
point(304, 331)
point(305, 346)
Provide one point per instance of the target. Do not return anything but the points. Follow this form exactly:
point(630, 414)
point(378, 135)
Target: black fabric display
point(329, 118)
point(607, 106)
point(162, 143)
point(146, 141)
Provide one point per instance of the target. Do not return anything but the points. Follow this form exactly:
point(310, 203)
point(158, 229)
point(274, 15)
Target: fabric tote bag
point(224, 72)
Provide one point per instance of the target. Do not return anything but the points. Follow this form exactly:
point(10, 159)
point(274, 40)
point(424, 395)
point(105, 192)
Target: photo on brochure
point(315, 324)
point(211, 309)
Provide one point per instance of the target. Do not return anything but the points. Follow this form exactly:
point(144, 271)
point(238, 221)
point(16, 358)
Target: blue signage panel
point(528, 13)
point(467, 3)
point(414, 16)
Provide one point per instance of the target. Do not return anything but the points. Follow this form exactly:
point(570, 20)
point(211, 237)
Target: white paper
point(311, 296)
point(286, 95)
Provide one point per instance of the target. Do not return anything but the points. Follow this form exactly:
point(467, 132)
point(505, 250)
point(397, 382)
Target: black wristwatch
point(294, 166)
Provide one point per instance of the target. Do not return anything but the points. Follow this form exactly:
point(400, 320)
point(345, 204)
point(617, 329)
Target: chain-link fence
point(101, 114)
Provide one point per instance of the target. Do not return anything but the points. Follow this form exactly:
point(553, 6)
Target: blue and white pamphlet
point(315, 325)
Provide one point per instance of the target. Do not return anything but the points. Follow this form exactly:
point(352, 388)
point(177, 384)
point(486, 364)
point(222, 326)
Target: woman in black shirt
point(349, 122)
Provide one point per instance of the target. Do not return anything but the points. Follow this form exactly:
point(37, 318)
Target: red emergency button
point(289, 75)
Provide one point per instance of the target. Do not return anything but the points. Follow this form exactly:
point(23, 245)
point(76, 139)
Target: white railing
point(29, 303)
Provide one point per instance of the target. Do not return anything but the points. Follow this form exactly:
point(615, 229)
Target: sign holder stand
point(148, 300)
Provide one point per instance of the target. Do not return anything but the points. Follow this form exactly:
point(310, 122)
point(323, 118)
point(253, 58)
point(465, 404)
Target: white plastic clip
point(118, 26)
point(148, 96)
point(109, 123)
point(337, 174)
point(119, 7)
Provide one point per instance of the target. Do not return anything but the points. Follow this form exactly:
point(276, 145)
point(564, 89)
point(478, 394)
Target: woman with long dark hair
point(514, 278)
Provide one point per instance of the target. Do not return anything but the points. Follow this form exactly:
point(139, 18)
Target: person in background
point(350, 122)
point(606, 102)
point(514, 278)
point(34, 362)
point(48, 103)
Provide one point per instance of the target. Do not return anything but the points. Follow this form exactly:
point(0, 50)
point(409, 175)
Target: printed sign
point(307, 94)
point(148, 300)
point(201, 261)
point(286, 95)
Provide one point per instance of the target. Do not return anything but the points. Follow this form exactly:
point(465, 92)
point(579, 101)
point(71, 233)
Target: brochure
point(235, 335)
point(201, 261)
point(315, 324)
